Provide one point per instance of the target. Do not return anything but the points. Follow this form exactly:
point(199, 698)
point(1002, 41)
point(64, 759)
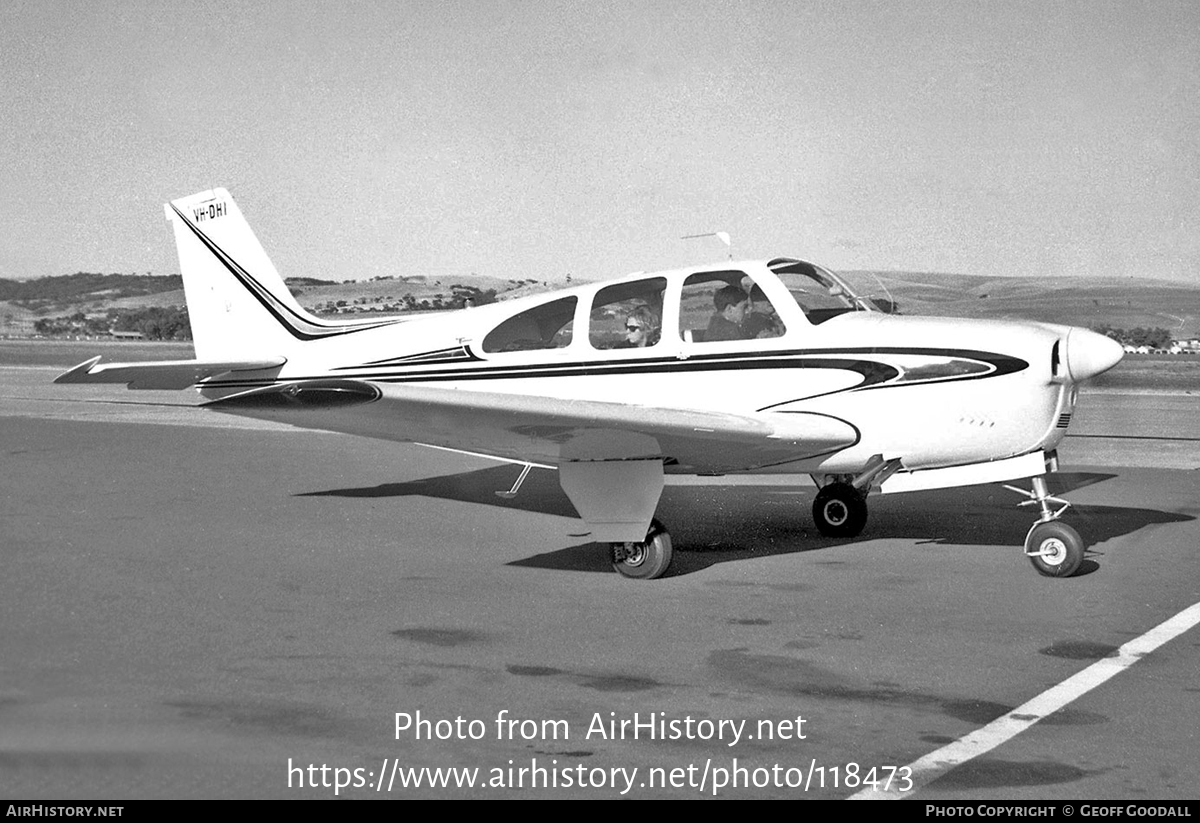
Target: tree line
point(460, 297)
point(154, 323)
point(171, 323)
point(1155, 338)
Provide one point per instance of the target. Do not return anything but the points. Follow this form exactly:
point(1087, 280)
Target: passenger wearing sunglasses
point(641, 328)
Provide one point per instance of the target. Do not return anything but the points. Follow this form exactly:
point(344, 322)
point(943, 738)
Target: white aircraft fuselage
point(753, 366)
point(890, 376)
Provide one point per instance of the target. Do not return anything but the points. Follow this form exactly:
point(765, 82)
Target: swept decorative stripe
point(796, 358)
point(875, 374)
point(300, 326)
point(454, 355)
point(871, 371)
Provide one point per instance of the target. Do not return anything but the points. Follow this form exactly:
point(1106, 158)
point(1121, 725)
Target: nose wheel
point(1054, 548)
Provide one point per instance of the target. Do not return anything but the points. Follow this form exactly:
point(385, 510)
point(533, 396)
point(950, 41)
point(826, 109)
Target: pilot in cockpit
point(726, 323)
point(761, 319)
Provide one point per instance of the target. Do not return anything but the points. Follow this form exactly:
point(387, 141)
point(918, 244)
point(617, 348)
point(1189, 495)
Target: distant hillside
point(70, 289)
point(410, 293)
point(1089, 302)
point(102, 298)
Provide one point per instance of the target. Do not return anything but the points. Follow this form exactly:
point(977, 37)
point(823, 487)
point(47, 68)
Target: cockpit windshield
point(820, 293)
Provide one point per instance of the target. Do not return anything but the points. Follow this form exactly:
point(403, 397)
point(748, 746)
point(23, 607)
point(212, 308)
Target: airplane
point(619, 383)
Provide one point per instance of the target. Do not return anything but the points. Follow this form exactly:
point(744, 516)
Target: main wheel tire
point(645, 560)
point(840, 510)
point(1055, 549)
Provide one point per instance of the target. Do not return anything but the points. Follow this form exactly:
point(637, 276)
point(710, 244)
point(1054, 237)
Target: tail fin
point(238, 304)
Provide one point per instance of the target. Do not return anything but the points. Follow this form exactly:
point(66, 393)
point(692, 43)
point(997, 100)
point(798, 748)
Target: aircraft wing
point(546, 429)
point(161, 374)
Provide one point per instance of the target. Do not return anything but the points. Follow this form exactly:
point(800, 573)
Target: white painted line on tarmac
point(938, 762)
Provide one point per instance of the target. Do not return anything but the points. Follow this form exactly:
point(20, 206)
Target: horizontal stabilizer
point(162, 374)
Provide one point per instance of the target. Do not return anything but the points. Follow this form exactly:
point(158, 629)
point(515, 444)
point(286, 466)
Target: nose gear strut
point(1055, 549)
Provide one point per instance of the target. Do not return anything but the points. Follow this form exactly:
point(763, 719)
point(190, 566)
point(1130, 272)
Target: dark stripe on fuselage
point(429, 358)
point(874, 374)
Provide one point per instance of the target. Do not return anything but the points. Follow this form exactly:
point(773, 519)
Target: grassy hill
point(24, 302)
point(1119, 302)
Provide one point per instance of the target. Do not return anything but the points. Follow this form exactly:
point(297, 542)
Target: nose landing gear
point(1054, 548)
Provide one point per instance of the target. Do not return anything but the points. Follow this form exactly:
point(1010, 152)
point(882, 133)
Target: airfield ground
point(192, 604)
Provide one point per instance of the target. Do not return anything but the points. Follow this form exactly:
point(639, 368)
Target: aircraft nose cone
point(1090, 354)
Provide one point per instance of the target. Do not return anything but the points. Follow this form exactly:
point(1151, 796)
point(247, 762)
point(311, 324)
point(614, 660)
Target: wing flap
point(547, 429)
point(162, 374)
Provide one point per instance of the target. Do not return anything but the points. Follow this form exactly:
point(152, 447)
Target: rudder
point(237, 303)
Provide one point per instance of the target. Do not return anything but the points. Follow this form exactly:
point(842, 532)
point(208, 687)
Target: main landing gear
point(645, 560)
point(840, 510)
point(840, 507)
point(1054, 548)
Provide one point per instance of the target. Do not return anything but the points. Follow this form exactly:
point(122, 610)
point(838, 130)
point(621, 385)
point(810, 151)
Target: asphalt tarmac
point(201, 606)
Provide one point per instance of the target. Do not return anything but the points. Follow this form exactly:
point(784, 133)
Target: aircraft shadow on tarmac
point(720, 524)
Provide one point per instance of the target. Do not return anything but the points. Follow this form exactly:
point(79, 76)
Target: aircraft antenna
point(723, 236)
point(891, 300)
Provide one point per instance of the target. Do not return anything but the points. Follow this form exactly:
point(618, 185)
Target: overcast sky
point(535, 138)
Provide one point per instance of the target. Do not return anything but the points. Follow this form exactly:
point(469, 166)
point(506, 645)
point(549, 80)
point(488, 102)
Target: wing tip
point(79, 373)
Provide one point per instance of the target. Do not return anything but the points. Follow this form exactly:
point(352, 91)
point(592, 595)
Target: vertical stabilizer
point(237, 303)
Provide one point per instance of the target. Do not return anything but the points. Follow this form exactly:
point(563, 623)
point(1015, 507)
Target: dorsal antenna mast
point(723, 236)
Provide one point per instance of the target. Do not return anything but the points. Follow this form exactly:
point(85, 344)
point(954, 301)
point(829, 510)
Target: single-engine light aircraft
point(764, 367)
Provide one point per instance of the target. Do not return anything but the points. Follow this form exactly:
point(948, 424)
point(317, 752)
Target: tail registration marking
point(210, 212)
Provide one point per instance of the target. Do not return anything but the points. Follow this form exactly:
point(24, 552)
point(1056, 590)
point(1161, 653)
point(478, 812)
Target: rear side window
point(549, 326)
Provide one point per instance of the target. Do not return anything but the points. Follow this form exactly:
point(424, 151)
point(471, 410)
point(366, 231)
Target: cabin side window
point(717, 306)
point(548, 326)
point(627, 315)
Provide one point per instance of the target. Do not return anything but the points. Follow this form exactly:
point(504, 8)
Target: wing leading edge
point(546, 429)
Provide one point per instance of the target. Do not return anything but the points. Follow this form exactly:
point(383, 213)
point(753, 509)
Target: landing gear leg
point(1054, 548)
point(645, 560)
point(516, 487)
